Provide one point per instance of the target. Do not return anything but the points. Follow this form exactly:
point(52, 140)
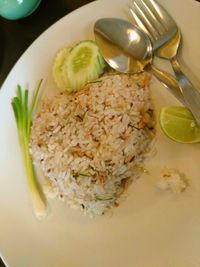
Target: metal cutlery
point(152, 18)
point(128, 49)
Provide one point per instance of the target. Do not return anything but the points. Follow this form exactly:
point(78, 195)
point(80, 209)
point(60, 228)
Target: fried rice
point(91, 145)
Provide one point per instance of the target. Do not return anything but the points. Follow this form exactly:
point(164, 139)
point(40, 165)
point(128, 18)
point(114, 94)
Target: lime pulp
point(179, 124)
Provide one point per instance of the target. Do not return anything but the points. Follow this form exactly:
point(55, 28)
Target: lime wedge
point(179, 124)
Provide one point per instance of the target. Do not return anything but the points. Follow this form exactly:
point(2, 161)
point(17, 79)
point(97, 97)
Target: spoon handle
point(169, 82)
point(190, 93)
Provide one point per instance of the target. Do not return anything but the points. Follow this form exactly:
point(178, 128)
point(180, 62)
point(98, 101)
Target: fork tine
point(156, 8)
point(162, 15)
point(140, 23)
point(143, 20)
point(151, 10)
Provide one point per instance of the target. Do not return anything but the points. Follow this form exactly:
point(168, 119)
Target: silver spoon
point(128, 49)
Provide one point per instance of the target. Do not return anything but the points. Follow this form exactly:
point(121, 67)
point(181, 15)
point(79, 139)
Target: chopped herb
point(84, 174)
point(103, 198)
point(97, 81)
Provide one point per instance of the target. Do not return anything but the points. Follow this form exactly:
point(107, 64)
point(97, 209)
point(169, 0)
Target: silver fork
point(166, 37)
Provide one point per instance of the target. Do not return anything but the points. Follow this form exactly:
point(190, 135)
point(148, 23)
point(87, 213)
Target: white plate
point(150, 228)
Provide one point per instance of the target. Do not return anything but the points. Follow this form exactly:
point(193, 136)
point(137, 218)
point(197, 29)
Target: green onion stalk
point(23, 116)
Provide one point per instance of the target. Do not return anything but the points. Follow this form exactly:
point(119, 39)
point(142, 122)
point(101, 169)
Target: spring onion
point(23, 116)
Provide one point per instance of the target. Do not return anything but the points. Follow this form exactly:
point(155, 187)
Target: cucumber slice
point(102, 62)
point(84, 64)
point(60, 79)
